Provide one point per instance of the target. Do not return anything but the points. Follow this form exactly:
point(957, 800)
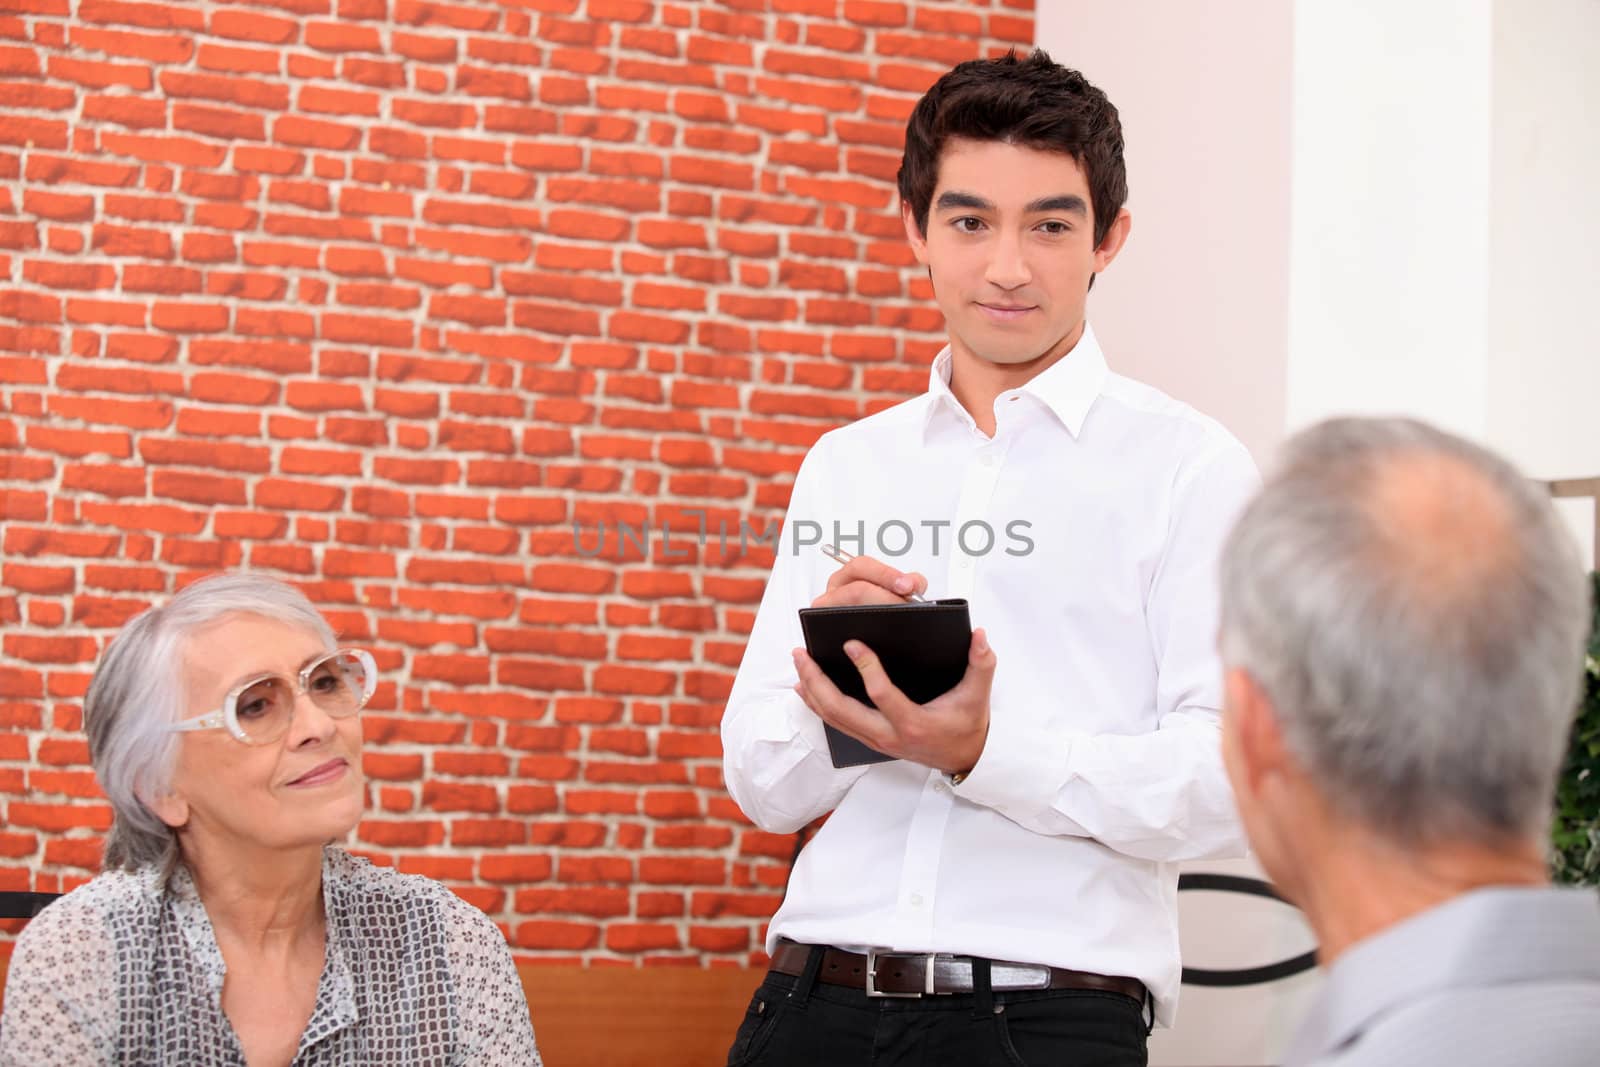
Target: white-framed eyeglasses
point(258, 711)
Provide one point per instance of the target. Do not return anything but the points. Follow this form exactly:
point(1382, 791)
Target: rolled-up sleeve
point(774, 750)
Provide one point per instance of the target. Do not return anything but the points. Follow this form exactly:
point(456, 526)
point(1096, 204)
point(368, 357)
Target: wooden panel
point(626, 1017)
point(1582, 487)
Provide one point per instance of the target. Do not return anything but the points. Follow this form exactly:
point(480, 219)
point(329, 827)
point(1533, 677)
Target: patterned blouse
point(126, 970)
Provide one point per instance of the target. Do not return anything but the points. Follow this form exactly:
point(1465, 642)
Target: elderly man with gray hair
point(1403, 622)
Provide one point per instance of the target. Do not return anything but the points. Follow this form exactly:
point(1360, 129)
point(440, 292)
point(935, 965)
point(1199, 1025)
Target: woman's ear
point(170, 807)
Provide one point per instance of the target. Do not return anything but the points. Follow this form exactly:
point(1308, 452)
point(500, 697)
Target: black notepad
point(923, 649)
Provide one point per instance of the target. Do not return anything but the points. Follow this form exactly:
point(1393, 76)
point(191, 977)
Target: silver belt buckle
point(873, 956)
point(1009, 976)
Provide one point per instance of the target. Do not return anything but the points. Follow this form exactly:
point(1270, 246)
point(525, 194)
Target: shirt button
point(964, 562)
point(941, 788)
point(916, 900)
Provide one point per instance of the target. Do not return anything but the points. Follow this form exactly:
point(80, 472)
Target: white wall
point(1196, 304)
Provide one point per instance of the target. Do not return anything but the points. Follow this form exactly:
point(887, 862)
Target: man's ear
point(919, 243)
point(1112, 242)
point(1259, 752)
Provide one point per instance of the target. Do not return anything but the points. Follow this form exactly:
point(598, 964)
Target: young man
point(1016, 859)
point(1404, 622)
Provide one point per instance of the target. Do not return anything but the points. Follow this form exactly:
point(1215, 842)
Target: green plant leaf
point(1575, 835)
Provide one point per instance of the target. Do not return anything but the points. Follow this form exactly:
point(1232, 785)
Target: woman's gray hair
point(1427, 683)
point(139, 690)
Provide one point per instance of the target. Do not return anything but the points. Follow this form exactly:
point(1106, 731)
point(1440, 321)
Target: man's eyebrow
point(1068, 203)
point(971, 201)
point(1072, 205)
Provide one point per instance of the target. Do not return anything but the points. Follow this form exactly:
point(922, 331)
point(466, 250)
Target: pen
point(845, 557)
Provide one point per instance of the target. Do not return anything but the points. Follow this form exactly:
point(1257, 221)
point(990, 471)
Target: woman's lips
point(322, 773)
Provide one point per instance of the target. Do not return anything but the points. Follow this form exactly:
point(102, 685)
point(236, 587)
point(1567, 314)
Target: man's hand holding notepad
point(892, 679)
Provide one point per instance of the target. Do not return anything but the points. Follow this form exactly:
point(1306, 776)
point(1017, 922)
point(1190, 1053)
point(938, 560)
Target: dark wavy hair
point(1032, 101)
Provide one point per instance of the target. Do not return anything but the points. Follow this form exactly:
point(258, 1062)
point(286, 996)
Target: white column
point(1544, 243)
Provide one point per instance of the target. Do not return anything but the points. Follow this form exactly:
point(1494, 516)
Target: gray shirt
point(1494, 977)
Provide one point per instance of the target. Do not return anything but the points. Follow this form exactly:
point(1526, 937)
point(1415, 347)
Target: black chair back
point(24, 905)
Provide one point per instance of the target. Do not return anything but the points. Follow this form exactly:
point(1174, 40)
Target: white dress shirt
point(1108, 502)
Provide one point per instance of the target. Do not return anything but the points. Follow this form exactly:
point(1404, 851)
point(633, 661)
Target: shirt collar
point(1068, 387)
point(335, 1007)
point(1487, 937)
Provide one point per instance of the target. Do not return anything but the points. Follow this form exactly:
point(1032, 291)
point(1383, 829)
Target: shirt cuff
point(1021, 770)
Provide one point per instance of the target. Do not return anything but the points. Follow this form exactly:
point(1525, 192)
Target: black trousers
point(798, 1022)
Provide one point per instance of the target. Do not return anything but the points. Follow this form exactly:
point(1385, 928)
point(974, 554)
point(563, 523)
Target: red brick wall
point(382, 297)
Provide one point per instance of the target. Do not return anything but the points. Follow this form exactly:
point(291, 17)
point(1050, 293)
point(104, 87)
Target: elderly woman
point(227, 928)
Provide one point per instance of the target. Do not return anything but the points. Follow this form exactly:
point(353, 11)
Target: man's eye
point(968, 224)
point(1055, 228)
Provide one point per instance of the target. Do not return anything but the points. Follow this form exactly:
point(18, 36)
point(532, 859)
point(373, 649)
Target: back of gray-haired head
point(1417, 615)
point(138, 691)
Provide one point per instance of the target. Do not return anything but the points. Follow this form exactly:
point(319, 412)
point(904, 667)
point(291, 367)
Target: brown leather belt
point(916, 974)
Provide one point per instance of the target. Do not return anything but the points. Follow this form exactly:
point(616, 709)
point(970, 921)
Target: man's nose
point(1008, 267)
